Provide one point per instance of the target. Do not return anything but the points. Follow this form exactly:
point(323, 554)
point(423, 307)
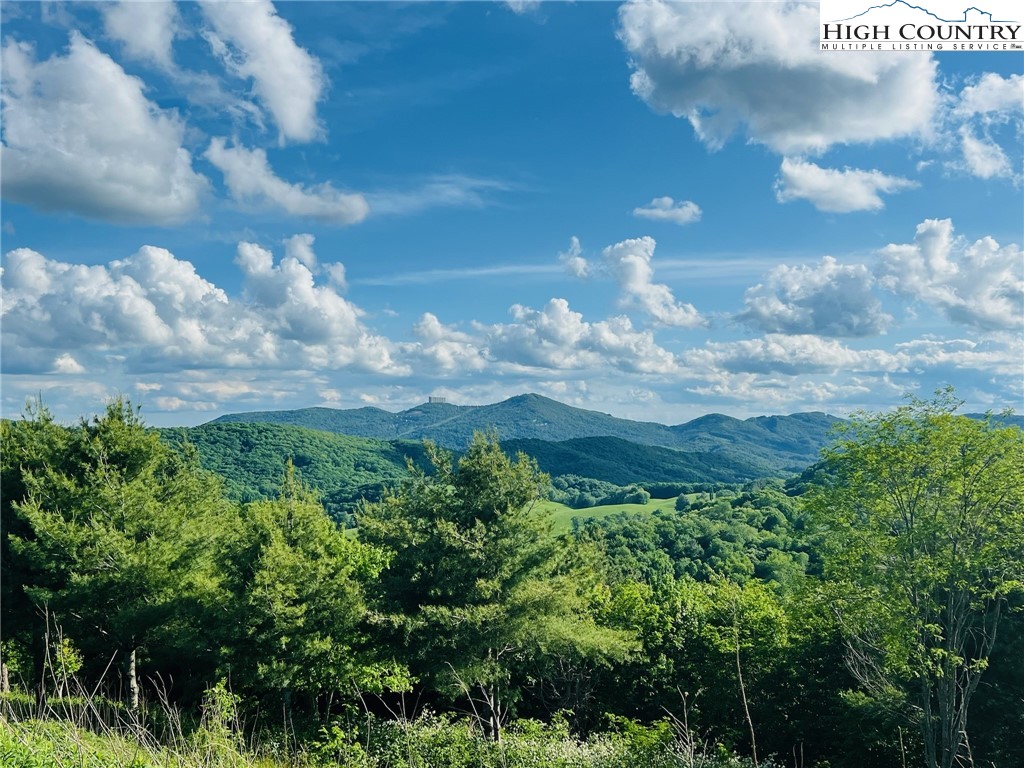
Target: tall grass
point(84, 730)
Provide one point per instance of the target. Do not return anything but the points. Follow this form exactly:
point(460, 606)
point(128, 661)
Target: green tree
point(294, 602)
point(477, 588)
point(110, 538)
point(27, 447)
point(921, 515)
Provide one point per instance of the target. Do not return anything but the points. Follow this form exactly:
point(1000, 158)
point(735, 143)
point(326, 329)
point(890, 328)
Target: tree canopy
point(921, 517)
point(476, 584)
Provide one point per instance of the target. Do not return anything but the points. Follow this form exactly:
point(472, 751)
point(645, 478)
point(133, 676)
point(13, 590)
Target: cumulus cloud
point(989, 117)
point(774, 391)
point(630, 263)
point(830, 299)
point(978, 284)
point(575, 264)
point(146, 30)
point(53, 307)
point(300, 248)
point(994, 357)
point(250, 179)
point(835, 191)
point(557, 338)
point(254, 42)
point(80, 136)
point(537, 342)
point(992, 94)
point(445, 349)
point(667, 209)
point(153, 312)
point(756, 67)
point(791, 356)
point(65, 363)
point(323, 326)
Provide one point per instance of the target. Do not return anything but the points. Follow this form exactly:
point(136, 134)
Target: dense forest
point(866, 612)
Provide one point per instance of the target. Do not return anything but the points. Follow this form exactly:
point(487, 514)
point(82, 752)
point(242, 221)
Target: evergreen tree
point(294, 602)
point(477, 589)
point(112, 536)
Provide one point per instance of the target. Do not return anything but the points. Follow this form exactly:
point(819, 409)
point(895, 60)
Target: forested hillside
point(781, 441)
point(252, 457)
point(621, 462)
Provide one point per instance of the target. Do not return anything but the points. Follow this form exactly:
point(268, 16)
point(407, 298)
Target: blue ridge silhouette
point(925, 10)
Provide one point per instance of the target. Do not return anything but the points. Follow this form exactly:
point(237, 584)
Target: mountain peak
point(531, 416)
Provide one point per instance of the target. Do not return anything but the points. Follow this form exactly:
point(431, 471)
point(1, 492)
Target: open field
point(563, 515)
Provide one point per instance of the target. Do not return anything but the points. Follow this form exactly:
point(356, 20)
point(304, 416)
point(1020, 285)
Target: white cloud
point(989, 119)
point(575, 264)
point(992, 93)
point(153, 312)
point(997, 357)
point(83, 310)
point(145, 29)
point(254, 42)
point(830, 299)
point(979, 284)
point(835, 191)
point(300, 248)
point(522, 6)
point(667, 209)
point(442, 348)
point(773, 393)
point(630, 263)
point(164, 403)
point(65, 363)
point(557, 338)
point(336, 275)
point(790, 355)
point(311, 319)
point(983, 157)
point(250, 179)
point(756, 66)
point(538, 342)
point(442, 191)
point(80, 136)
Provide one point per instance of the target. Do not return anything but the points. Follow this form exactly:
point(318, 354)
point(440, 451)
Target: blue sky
point(656, 210)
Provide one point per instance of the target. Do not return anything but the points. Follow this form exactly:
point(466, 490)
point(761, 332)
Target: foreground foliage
point(428, 742)
point(922, 526)
point(480, 596)
point(843, 619)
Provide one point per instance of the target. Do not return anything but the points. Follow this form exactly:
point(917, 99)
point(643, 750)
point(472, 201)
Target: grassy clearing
point(562, 515)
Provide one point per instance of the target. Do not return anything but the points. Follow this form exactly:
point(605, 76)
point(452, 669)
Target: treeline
point(759, 619)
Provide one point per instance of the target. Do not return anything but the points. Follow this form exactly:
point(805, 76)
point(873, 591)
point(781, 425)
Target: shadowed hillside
point(789, 442)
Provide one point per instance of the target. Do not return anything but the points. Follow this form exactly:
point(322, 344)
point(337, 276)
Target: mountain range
point(776, 442)
point(350, 454)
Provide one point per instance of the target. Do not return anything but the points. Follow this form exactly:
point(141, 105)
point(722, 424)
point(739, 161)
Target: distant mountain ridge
point(775, 442)
point(349, 454)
